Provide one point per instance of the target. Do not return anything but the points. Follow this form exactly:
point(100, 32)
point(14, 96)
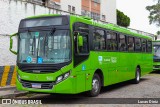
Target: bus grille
point(156, 66)
point(156, 60)
point(45, 85)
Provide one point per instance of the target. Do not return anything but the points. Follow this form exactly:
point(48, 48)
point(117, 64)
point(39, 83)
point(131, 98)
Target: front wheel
point(96, 86)
point(137, 76)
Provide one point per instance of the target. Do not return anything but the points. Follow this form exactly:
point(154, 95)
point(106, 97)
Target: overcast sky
point(135, 9)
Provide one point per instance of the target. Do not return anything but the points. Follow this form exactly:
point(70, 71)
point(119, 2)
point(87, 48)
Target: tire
point(137, 76)
point(96, 86)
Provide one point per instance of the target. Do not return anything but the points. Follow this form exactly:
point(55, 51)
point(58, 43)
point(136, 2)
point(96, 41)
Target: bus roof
point(106, 25)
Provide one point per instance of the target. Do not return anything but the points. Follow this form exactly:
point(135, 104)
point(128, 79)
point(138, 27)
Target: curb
point(14, 92)
point(13, 95)
point(7, 88)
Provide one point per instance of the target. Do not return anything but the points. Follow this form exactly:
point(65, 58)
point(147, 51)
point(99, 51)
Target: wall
point(75, 3)
point(11, 14)
point(108, 8)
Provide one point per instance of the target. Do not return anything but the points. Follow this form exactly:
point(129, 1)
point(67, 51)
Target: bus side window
point(143, 45)
point(122, 43)
point(130, 44)
point(99, 40)
point(149, 46)
point(138, 45)
point(112, 41)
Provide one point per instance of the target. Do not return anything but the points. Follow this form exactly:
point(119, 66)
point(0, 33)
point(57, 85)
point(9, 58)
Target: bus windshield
point(43, 47)
point(157, 50)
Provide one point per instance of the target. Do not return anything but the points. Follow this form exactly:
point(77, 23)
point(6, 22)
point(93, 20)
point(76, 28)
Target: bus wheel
point(96, 86)
point(137, 76)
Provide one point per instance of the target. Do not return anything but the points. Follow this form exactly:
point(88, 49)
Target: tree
point(122, 19)
point(154, 16)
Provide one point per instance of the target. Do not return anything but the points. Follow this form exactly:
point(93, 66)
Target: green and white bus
point(156, 57)
point(73, 54)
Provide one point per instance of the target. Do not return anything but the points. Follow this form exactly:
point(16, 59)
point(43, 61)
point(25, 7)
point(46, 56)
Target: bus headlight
point(18, 77)
point(63, 77)
point(59, 79)
point(66, 75)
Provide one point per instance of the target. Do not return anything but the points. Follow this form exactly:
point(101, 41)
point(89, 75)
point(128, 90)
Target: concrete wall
point(108, 8)
point(75, 3)
point(11, 14)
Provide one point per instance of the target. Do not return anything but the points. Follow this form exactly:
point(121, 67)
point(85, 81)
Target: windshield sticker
point(36, 34)
point(83, 67)
point(29, 59)
point(40, 60)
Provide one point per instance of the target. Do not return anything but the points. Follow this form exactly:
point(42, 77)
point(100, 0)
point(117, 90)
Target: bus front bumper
point(66, 86)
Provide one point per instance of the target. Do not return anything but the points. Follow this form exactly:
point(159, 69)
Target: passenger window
point(112, 41)
point(122, 43)
point(149, 46)
point(130, 44)
point(143, 45)
point(99, 40)
point(137, 45)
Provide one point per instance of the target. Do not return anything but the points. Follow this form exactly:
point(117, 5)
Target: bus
point(156, 57)
point(73, 54)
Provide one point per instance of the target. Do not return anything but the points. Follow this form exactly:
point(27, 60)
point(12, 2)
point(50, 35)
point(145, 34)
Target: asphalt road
point(149, 87)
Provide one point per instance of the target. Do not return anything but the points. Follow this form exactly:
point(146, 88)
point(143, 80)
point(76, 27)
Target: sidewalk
point(10, 92)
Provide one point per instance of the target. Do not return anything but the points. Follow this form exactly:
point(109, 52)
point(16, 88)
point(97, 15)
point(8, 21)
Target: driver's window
point(81, 29)
point(84, 48)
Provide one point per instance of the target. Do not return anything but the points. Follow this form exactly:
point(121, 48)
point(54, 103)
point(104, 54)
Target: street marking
point(13, 81)
point(5, 75)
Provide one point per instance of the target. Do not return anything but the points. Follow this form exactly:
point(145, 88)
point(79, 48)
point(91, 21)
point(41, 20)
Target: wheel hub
point(95, 85)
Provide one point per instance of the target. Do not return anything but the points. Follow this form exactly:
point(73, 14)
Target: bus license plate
point(36, 85)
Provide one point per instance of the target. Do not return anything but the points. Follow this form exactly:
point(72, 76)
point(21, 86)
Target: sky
point(135, 9)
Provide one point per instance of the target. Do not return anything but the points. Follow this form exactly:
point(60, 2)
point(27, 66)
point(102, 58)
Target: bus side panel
point(146, 64)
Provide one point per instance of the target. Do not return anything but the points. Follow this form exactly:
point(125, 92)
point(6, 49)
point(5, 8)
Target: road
point(149, 87)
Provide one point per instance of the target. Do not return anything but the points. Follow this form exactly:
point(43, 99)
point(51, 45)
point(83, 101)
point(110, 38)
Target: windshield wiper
point(29, 33)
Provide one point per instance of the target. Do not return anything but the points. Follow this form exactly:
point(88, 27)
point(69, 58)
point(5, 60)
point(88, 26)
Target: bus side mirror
point(11, 44)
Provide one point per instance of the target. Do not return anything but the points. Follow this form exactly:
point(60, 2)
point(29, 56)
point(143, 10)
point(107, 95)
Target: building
point(97, 9)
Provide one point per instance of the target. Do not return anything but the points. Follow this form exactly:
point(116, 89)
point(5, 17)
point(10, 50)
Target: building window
point(103, 17)
point(69, 8)
point(95, 16)
point(97, 1)
point(85, 13)
point(73, 9)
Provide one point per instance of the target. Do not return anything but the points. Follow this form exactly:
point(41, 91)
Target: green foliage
point(154, 17)
point(158, 32)
point(122, 19)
